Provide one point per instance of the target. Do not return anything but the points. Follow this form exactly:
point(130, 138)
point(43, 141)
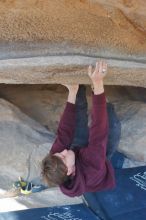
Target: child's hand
point(97, 76)
point(72, 88)
point(99, 72)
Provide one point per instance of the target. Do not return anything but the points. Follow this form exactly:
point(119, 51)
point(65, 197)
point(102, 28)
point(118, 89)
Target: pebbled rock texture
point(54, 41)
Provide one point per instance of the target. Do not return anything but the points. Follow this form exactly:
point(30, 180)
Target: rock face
point(45, 104)
point(23, 145)
point(130, 105)
point(24, 142)
point(133, 120)
point(54, 41)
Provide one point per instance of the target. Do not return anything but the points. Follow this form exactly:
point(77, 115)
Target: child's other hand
point(72, 87)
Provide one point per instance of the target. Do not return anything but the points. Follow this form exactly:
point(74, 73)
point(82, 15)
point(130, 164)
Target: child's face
point(68, 158)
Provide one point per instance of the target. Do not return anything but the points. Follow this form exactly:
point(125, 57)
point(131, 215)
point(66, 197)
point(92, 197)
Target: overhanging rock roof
point(55, 41)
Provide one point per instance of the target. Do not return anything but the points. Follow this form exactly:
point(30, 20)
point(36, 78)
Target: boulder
point(54, 41)
point(44, 104)
point(24, 143)
point(132, 115)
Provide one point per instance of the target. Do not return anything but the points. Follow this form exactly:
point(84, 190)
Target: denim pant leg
point(81, 131)
point(114, 131)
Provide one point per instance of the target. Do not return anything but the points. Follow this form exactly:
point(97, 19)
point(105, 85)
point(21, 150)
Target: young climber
point(79, 160)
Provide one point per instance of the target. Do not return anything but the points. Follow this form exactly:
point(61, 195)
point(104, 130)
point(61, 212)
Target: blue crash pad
point(125, 202)
point(69, 212)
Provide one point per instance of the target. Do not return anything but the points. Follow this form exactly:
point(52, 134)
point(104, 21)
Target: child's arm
point(95, 153)
point(66, 128)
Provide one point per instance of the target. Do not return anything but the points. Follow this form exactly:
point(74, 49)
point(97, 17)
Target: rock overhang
point(45, 42)
point(36, 63)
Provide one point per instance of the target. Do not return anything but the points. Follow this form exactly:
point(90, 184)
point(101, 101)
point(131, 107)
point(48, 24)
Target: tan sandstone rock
point(45, 104)
point(55, 41)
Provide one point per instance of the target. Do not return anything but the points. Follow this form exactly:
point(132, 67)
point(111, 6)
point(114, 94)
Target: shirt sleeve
point(95, 153)
point(66, 128)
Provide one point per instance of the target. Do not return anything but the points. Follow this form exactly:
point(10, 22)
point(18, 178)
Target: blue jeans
point(82, 131)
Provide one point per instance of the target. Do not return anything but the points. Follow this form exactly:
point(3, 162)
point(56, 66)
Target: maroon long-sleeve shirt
point(93, 171)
